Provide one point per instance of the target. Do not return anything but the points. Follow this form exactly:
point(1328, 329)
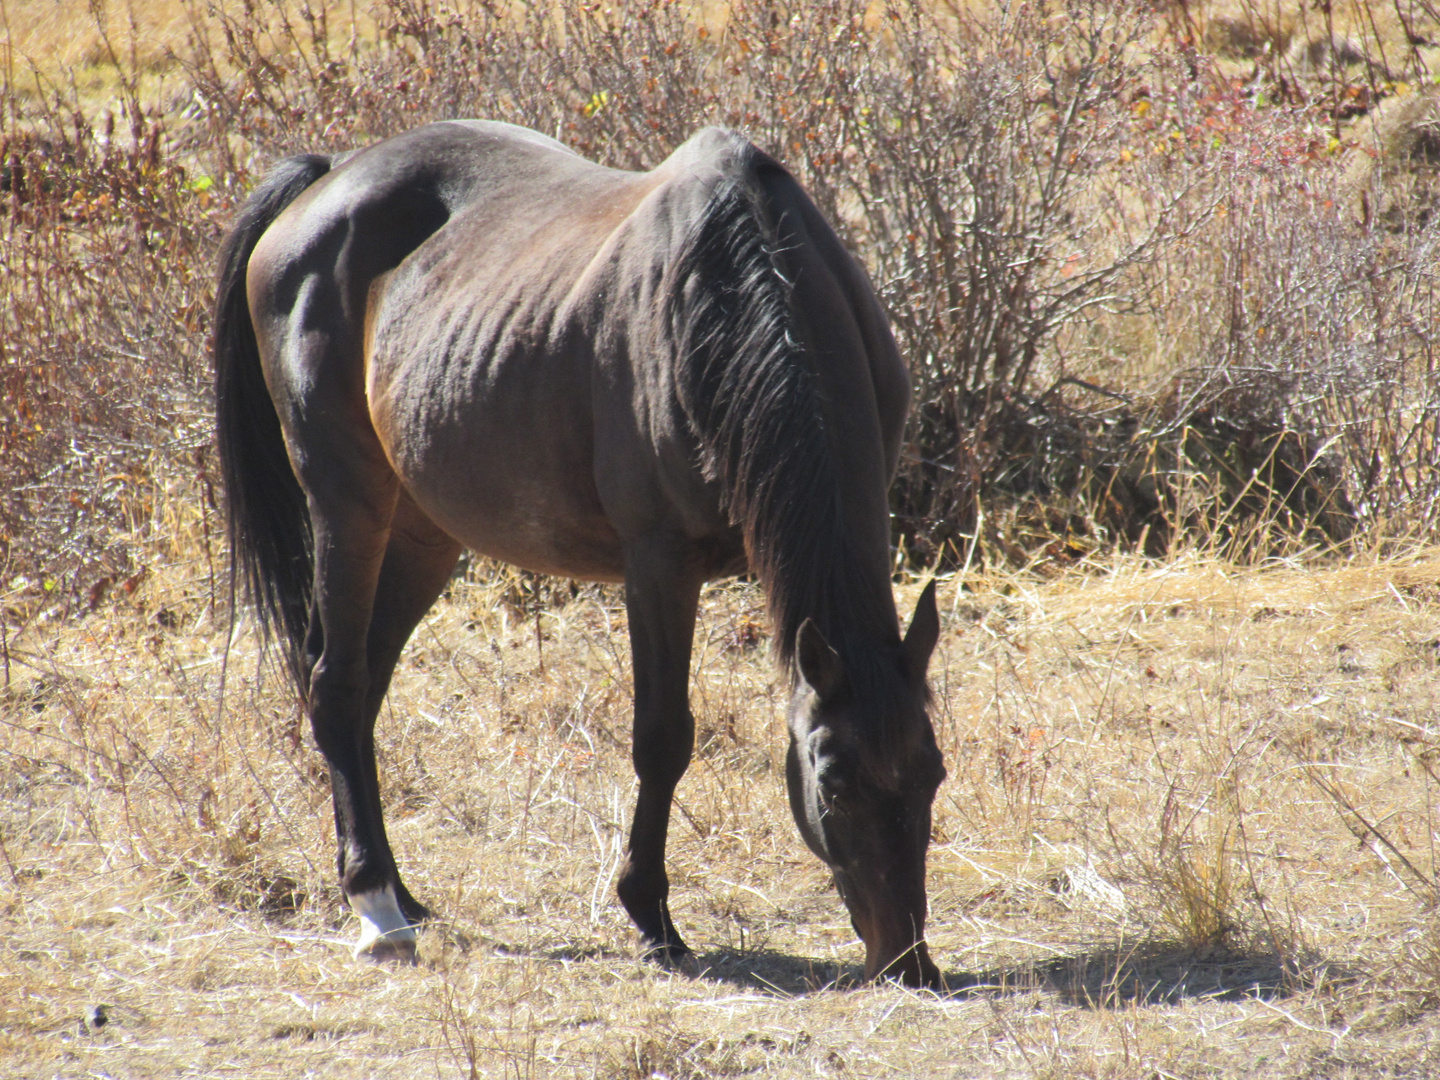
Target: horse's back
point(515, 374)
point(377, 205)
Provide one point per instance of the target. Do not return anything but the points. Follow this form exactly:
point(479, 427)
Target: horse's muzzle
point(893, 930)
point(910, 965)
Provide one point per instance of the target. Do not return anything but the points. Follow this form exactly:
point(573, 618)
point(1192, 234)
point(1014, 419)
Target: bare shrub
point(1277, 389)
point(104, 243)
point(1137, 309)
point(987, 179)
point(1310, 400)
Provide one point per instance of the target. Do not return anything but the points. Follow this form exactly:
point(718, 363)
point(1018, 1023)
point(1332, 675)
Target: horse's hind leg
point(419, 560)
point(379, 564)
point(352, 502)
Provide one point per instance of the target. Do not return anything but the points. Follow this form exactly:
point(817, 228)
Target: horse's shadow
point(1106, 977)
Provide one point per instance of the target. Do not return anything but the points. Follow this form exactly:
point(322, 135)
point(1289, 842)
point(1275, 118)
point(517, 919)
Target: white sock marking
point(381, 923)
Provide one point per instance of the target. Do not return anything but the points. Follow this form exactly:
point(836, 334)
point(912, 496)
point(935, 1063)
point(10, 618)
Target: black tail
point(267, 520)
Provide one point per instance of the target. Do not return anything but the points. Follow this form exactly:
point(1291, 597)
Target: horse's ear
point(819, 663)
point(923, 633)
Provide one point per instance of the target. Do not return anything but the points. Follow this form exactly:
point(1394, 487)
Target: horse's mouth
point(911, 967)
point(895, 945)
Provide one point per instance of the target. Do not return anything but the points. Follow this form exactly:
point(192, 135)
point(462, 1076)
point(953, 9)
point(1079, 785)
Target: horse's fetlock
point(363, 875)
point(640, 887)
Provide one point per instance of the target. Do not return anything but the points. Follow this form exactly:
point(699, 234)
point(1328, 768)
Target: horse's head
point(862, 799)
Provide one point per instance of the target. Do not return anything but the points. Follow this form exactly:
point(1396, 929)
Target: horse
point(469, 336)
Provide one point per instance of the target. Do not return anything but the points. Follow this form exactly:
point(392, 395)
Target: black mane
point(753, 400)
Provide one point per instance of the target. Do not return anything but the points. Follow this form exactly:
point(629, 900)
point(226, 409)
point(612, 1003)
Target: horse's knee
point(661, 753)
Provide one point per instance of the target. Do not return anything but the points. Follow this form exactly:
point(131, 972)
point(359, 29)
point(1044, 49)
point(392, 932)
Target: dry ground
point(1142, 855)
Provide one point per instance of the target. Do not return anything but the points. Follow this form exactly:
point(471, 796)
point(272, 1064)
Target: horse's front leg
point(662, 592)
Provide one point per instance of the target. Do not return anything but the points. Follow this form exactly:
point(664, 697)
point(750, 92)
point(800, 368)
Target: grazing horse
point(469, 335)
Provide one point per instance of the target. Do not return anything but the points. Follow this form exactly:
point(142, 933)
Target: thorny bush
point(1139, 305)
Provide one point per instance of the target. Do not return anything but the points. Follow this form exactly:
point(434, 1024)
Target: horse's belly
point(547, 541)
point(500, 505)
point(505, 465)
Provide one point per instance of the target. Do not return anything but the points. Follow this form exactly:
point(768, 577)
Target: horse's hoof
point(385, 934)
point(388, 950)
point(676, 958)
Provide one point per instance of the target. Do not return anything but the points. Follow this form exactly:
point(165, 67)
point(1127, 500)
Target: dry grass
point(1188, 829)
point(94, 46)
point(1140, 856)
point(56, 40)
